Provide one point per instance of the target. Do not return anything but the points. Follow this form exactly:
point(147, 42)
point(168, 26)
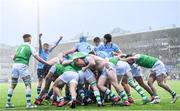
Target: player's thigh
point(112, 76)
point(58, 83)
point(139, 79)
point(15, 71)
point(160, 78)
point(40, 74)
point(24, 71)
point(102, 80)
point(151, 78)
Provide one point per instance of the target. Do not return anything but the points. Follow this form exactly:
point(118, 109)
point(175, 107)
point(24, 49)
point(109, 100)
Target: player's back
point(23, 54)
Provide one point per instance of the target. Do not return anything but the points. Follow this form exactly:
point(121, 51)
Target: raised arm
point(60, 38)
point(40, 42)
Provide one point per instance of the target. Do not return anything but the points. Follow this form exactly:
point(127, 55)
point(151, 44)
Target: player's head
point(96, 41)
point(46, 46)
point(27, 38)
point(131, 61)
point(79, 62)
point(107, 38)
point(82, 39)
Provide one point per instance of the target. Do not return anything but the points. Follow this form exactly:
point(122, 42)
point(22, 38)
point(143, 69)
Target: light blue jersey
point(109, 48)
point(102, 54)
point(44, 55)
point(84, 47)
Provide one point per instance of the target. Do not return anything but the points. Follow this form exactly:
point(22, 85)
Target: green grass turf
point(18, 100)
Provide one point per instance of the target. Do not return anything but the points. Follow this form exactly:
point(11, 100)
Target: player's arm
point(90, 64)
point(60, 38)
point(128, 58)
point(38, 58)
point(40, 42)
point(66, 62)
point(70, 51)
point(117, 50)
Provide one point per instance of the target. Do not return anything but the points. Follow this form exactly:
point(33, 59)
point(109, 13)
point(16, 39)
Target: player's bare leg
point(162, 83)
point(151, 80)
point(57, 88)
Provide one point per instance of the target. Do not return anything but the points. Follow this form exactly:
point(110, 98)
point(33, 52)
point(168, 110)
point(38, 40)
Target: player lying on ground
point(20, 69)
point(158, 72)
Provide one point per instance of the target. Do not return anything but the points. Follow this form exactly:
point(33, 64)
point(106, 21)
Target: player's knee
point(14, 82)
point(27, 81)
point(161, 84)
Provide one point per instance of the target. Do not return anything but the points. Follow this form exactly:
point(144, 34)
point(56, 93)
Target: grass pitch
point(19, 101)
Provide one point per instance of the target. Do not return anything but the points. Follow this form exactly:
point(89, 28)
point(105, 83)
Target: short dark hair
point(46, 44)
point(129, 55)
point(96, 39)
point(26, 36)
point(108, 37)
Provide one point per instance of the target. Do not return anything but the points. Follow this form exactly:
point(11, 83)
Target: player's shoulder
point(115, 45)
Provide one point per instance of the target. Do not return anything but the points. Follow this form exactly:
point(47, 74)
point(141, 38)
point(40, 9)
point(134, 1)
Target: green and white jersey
point(24, 52)
point(57, 69)
point(145, 60)
point(113, 60)
point(71, 67)
point(78, 55)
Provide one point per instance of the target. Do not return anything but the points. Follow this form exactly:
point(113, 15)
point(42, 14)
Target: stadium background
point(162, 43)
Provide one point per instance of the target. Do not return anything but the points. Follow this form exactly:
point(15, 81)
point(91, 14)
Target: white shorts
point(69, 77)
point(122, 68)
point(104, 72)
point(86, 76)
point(136, 70)
point(159, 68)
point(20, 70)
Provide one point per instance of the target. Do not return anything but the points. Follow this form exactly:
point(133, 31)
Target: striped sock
point(10, 93)
point(50, 93)
point(108, 92)
point(137, 88)
point(28, 96)
point(98, 98)
point(123, 96)
point(60, 99)
point(129, 95)
point(173, 93)
point(81, 92)
point(38, 90)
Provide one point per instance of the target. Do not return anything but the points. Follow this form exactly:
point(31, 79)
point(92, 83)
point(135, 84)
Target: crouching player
point(158, 72)
point(69, 77)
point(101, 65)
point(123, 70)
point(54, 72)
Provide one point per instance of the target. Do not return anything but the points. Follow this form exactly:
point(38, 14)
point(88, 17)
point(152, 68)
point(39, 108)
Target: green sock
point(97, 95)
point(108, 92)
point(123, 96)
point(137, 88)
